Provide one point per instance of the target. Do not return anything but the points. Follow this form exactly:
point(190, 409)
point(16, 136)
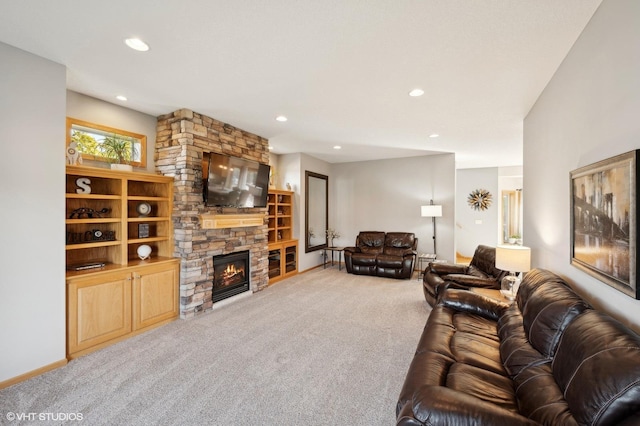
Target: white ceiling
point(340, 70)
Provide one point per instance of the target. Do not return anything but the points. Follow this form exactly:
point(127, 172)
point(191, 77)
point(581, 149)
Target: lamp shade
point(513, 258)
point(431, 210)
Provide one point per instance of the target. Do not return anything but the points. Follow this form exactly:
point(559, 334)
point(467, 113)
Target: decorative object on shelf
point(91, 236)
point(604, 206)
point(288, 186)
point(331, 234)
point(514, 259)
point(85, 266)
point(144, 251)
point(143, 209)
point(432, 210)
point(279, 235)
point(143, 230)
point(280, 198)
point(88, 213)
point(515, 239)
point(73, 155)
point(84, 185)
point(120, 150)
point(479, 199)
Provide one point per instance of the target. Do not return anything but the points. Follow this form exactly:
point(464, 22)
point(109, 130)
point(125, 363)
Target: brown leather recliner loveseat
point(481, 272)
point(391, 254)
point(549, 358)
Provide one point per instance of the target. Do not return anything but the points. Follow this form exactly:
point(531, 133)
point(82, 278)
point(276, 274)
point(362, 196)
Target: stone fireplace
point(182, 138)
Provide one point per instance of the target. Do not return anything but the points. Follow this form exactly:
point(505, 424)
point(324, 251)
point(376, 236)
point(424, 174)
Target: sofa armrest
point(439, 405)
point(465, 281)
point(352, 250)
point(447, 268)
point(474, 303)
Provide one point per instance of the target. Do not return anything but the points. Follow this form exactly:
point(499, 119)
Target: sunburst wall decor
point(479, 199)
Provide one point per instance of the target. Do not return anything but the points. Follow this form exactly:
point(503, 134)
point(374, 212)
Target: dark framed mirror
point(316, 211)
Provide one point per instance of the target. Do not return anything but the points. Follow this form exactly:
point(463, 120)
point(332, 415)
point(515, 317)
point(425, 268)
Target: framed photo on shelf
point(604, 221)
point(143, 230)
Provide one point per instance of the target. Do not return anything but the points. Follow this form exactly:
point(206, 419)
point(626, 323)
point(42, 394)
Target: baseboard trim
point(30, 374)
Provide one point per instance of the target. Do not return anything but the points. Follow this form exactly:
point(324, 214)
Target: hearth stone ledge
point(182, 137)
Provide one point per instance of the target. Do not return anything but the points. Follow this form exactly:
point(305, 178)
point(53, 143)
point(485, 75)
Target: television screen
point(236, 182)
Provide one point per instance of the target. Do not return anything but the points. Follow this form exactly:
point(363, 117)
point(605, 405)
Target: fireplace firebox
point(230, 275)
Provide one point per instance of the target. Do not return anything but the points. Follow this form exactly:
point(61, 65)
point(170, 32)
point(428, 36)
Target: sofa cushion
point(597, 366)
point(484, 259)
point(482, 384)
point(364, 259)
point(404, 240)
point(515, 350)
point(540, 398)
point(389, 261)
point(371, 242)
point(547, 310)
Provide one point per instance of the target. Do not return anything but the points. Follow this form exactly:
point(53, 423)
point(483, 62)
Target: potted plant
point(120, 150)
point(514, 238)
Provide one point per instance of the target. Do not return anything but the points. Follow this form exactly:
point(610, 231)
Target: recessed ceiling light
point(137, 44)
point(281, 118)
point(121, 98)
point(416, 92)
point(434, 135)
point(337, 147)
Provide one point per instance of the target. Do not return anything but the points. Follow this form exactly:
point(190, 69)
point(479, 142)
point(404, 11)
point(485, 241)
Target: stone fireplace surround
point(182, 138)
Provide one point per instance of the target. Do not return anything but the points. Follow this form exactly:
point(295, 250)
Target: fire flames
point(231, 274)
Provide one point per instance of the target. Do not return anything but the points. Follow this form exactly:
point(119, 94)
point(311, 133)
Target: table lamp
point(514, 259)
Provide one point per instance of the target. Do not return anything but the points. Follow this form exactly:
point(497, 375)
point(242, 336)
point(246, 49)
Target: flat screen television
point(235, 182)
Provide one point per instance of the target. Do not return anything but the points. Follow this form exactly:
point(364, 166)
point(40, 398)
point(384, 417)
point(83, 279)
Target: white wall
point(589, 111)
point(32, 168)
point(475, 227)
point(386, 195)
point(96, 111)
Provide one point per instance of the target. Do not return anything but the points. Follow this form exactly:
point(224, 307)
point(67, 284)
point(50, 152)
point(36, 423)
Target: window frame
point(101, 128)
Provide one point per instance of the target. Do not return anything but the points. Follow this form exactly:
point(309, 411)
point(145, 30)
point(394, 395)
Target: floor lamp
point(432, 211)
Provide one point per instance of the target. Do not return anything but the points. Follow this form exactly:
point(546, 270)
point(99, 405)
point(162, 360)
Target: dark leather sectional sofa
point(481, 272)
point(391, 254)
point(549, 358)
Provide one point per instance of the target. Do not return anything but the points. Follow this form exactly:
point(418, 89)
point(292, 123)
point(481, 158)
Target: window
point(106, 144)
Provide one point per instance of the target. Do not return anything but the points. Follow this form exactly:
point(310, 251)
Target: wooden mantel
point(220, 221)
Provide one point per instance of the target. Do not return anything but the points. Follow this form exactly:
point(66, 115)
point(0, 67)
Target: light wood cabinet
point(98, 310)
point(155, 295)
point(105, 225)
point(108, 306)
point(283, 249)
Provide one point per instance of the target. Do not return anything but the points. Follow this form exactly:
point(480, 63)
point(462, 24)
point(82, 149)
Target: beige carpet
point(321, 348)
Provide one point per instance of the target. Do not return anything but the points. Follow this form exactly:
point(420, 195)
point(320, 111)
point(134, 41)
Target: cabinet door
point(98, 310)
point(291, 259)
point(275, 262)
point(155, 294)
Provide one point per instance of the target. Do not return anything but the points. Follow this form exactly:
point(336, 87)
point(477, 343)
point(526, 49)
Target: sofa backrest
point(397, 243)
point(371, 242)
point(484, 259)
point(597, 367)
point(548, 306)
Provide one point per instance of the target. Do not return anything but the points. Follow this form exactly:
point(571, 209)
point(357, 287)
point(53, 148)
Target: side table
point(332, 250)
point(423, 261)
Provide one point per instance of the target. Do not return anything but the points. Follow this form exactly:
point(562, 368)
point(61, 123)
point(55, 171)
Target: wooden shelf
point(283, 249)
point(127, 295)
